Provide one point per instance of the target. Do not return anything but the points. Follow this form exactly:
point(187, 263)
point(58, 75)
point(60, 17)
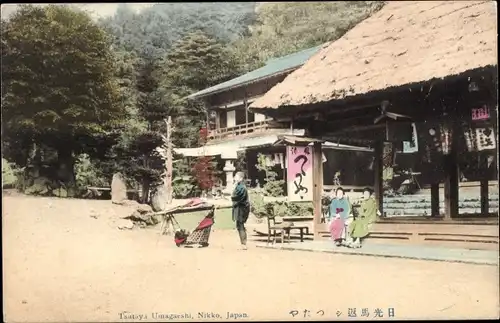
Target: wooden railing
point(238, 130)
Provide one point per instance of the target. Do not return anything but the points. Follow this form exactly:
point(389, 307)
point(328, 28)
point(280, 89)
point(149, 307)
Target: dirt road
point(60, 264)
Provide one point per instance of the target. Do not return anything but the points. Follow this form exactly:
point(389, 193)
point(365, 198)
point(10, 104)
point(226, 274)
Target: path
point(60, 264)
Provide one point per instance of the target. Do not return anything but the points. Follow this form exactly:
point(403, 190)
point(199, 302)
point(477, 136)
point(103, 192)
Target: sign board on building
point(299, 173)
point(481, 113)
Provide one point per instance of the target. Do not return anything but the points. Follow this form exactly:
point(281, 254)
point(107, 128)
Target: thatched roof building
point(404, 43)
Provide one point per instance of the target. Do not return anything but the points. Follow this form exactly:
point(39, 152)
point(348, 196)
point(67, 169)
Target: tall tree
point(159, 27)
point(149, 103)
point(195, 63)
point(58, 85)
point(282, 28)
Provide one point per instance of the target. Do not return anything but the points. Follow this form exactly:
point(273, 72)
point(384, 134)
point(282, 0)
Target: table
point(301, 228)
point(297, 218)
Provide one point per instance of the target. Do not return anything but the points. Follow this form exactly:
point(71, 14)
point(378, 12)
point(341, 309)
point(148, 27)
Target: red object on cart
point(201, 233)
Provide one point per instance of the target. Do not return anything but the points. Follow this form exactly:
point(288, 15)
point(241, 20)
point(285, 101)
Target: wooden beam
point(435, 199)
point(378, 173)
point(317, 187)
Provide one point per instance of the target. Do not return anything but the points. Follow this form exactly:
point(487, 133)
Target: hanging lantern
point(470, 138)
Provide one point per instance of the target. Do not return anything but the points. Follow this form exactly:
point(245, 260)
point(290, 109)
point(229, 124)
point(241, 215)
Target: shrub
point(10, 173)
point(272, 186)
point(87, 174)
point(261, 209)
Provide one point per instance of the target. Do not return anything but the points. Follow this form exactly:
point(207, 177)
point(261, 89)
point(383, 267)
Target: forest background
point(84, 98)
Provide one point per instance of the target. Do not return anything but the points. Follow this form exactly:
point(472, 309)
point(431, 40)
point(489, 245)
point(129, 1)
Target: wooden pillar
point(317, 187)
point(217, 120)
point(451, 183)
point(245, 102)
point(485, 210)
point(435, 199)
point(378, 172)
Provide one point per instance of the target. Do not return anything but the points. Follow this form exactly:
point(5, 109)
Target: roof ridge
point(273, 59)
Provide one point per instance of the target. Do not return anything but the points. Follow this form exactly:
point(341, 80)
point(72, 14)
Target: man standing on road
point(241, 207)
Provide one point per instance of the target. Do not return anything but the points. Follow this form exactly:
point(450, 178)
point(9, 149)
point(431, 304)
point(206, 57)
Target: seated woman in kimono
point(367, 215)
point(339, 217)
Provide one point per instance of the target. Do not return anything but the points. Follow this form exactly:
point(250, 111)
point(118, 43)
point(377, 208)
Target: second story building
point(227, 103)
point(232, 128)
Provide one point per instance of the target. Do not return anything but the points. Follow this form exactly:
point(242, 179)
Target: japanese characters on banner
point(485, 139)
point(388, 155)
point(299, 173)
point(481, 113)
point(480, 137)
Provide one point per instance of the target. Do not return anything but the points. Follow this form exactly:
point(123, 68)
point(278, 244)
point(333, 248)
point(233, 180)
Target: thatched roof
point(402, 44)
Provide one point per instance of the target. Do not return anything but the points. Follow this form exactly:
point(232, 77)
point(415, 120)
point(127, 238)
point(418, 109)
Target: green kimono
point(241, 205)
point(360, 227)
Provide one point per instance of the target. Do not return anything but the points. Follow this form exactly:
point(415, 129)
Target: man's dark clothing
point(241, 210)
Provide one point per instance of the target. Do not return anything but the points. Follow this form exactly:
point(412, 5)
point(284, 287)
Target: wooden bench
point(284, 229)
point(93, 191)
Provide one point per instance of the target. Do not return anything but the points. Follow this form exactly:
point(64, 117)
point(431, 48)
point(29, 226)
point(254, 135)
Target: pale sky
point(97, 10)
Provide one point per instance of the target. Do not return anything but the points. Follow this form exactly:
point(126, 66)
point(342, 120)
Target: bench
point(284, 229)
point(93, 192)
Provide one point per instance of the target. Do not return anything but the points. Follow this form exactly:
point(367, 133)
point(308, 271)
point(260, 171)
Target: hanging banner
point(299, 173)
point(485, 139)
point(388, 155)
point(481, 113)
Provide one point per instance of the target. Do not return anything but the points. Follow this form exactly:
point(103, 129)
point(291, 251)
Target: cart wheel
point(178, 244)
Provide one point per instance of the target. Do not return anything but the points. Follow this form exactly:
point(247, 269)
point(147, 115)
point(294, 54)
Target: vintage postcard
point(250, 161)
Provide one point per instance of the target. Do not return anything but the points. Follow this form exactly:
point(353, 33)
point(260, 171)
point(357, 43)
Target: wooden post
point(451, 186)
point(168, 178)
point(217, 120)
point(245, 103)
point(317, 187)
point(485, 209)
point(435, 199)
point(378, 173)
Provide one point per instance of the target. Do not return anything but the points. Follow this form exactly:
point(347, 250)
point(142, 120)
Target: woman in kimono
point(340, 209)
point(368, 210)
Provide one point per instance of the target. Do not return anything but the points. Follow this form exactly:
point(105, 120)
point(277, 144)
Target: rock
point(138, 217)
point(125, 224)
point(159, 199)
point(118, 189)
point(60, 192)
point(144, 208)
point(94, 214)
point(39, 187)
point(130, 203)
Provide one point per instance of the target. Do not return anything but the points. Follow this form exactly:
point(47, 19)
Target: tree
point(283, 28)
point(149, 102)
point(205, 168)
point(195, 63)
point(159, 27)
point(58, 85)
